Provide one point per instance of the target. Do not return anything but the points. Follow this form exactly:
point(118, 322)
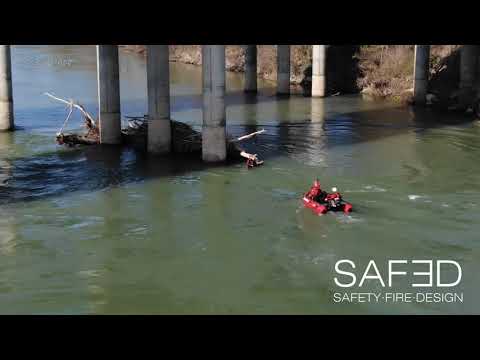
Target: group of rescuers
point(333, 200)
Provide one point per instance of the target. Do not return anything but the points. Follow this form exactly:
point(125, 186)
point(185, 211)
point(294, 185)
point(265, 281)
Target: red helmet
point(316, 183)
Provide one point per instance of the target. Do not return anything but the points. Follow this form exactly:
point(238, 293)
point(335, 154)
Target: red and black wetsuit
point(316, 194)
point(334, 200)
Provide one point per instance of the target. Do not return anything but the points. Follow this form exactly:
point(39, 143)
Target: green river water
point(89, 231)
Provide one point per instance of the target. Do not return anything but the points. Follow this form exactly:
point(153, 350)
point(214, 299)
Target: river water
point(90, 231)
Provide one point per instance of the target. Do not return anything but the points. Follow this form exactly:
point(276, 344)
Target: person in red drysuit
point(334, 199)
point(316, 193)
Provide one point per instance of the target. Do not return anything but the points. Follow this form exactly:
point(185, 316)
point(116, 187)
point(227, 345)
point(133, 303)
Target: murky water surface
point(89, 231)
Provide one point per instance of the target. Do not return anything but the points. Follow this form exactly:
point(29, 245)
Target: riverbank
point(235, 58)
point(341, 71)
point(375, 71)
point(386, 71)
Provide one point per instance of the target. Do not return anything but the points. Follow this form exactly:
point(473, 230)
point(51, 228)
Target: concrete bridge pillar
point(251, 68)
point(468, 73)
point(214, 144)
point(468, 66)
point(421, 71)
point(6, 94)
point(283, 69)
point(319, 70)
point(158, 85)
point(109, 94)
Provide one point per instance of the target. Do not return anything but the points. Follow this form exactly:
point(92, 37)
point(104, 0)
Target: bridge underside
point(326, 75)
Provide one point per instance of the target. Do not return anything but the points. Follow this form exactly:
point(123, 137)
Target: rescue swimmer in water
point(252, 159)
point(319, 201)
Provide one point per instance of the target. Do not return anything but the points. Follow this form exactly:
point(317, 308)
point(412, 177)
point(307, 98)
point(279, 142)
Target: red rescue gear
point(333, 202)
point(333, 196)
point(314, 190)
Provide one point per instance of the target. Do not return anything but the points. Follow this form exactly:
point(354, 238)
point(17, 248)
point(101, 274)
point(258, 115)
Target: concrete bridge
point(213, 67)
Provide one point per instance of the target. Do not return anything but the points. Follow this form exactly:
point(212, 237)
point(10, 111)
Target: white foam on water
point(280, 169)
point(89, 273)
point(89, 221)
point(137, 230)
point(368, 188)
point(424, 198)
point(414, 197)
point(299, 209)
point(348, 219)
point(284, 194)
point(319, 259)
point(375, 188)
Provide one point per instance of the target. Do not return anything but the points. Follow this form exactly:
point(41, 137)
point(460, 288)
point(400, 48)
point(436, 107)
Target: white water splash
point(375, 188)
point(368, 188)
point(414, 197)
point(348, 219)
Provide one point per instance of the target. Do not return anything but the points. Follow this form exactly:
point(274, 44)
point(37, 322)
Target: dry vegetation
point(386, 71)
point(382, 71)
point(301, 57)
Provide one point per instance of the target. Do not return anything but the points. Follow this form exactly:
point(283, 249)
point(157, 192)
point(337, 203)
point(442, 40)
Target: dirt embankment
point(235, 58)
point(377, 71)
point(386, 71)
point(341, 71)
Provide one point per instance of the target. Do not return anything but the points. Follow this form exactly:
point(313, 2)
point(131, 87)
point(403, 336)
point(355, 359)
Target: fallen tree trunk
point(74, 139)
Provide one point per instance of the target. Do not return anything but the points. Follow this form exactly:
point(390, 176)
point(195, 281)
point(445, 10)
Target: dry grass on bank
point(386, 71)
point(301, 57)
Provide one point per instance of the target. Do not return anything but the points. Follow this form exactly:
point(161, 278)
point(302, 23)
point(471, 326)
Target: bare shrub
point(386, 70)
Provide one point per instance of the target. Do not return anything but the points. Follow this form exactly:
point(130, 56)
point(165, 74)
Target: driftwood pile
point(184, 138)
